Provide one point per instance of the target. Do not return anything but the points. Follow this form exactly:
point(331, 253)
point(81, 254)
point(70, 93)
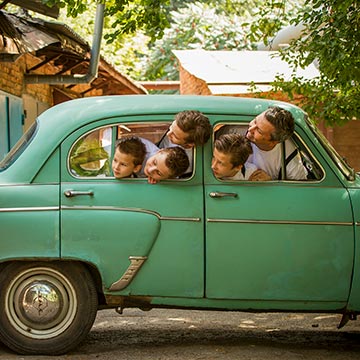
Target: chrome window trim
point(111, 177)
point(243, 124)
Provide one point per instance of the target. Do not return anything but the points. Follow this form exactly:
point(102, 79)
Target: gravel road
point(181, 335)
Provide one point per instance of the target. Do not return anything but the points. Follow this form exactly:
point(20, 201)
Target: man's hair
point(283, 122)
point(236, 145)
point(132, 145)
point(176, 160)
point(196, 126)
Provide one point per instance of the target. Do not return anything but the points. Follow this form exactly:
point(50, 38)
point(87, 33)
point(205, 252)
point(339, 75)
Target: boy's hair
point(132, 145)
point(236, 145)
point(195, 124)
point(176, 160)
point(282, 120)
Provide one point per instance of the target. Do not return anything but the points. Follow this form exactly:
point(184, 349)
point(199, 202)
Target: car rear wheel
point(48, 308)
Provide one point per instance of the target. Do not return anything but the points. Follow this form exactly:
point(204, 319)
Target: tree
point(197, 26)
point(331, 39)
point(127, 16)
point(212, 25)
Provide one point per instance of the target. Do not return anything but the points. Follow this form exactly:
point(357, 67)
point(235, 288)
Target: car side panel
point(132, 218)
point(354, 299)
point(291, 241)
point(124, 219)
point(107, 236)
point(30, 226)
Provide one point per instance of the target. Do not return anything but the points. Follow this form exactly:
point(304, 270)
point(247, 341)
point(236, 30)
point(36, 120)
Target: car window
point(150, 131)
point(91, 155)
point(313, 170)
point(344, 167)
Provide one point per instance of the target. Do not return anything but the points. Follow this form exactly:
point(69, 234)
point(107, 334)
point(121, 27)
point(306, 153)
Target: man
point(190, 128)
point(229, 162)
point(167, 163)
point(266, 132)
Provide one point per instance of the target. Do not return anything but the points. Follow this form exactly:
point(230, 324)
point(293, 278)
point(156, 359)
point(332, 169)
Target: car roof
point(56, 123)
point(71, 115)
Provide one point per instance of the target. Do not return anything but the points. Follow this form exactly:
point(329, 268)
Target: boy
point(166, 164)
point(128, 158)
point(190, 128)
point(229, 162)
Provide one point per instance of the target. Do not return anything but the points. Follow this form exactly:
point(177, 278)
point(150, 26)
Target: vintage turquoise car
point(74, 239)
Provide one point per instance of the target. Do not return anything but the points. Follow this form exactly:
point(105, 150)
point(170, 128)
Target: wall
point(346, 140)
point(190, 84)
point(36, 98)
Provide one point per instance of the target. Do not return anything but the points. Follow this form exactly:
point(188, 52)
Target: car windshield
point(19, 147)
point(347, 170)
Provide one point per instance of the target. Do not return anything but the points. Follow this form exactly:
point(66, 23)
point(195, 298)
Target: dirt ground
point(178, 334)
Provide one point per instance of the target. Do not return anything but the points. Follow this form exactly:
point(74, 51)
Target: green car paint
point(276, 245)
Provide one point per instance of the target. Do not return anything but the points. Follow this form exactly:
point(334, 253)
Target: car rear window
point(19, 147)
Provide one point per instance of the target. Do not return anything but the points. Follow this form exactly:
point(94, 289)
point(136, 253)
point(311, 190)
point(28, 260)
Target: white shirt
point(151, 149)
point(249, 169)
point(270, 161)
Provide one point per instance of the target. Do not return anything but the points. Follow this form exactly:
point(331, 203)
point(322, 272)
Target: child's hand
point(151, 180)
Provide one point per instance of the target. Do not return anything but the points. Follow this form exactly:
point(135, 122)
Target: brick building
point(239, 73)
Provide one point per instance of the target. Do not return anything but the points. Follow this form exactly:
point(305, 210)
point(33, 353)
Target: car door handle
point(219, 194)
point(72, 193)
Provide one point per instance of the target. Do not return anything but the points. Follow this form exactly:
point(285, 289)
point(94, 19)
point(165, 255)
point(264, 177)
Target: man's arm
point(259, 175)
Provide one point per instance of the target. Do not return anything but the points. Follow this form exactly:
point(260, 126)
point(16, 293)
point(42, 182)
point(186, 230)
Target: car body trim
point(113, 208)
point(22, 209)
point(282, 222)
point(136, 262)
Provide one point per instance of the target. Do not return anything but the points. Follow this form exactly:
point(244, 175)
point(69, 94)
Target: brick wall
point(12, 79)
point(346, 140)
point(190, 84)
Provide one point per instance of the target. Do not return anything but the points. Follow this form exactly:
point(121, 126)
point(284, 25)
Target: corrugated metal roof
point(17, 36)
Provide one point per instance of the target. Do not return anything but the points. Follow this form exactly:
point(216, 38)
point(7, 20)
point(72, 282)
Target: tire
point(47, 307)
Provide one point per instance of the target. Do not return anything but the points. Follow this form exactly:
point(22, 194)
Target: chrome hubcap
point(41, 303)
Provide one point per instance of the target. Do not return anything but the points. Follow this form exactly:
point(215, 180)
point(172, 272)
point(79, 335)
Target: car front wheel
point(48, 307)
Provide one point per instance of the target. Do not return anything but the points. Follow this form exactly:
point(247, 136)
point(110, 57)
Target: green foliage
point(271, 16)
point(127, 16)
point(333, 41)
point(198, 26)
point(216, 25)
point(74, 7)
point(123, 52)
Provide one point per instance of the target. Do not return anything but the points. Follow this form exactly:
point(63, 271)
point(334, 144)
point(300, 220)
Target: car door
point(279, 240)
point(144, 239)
